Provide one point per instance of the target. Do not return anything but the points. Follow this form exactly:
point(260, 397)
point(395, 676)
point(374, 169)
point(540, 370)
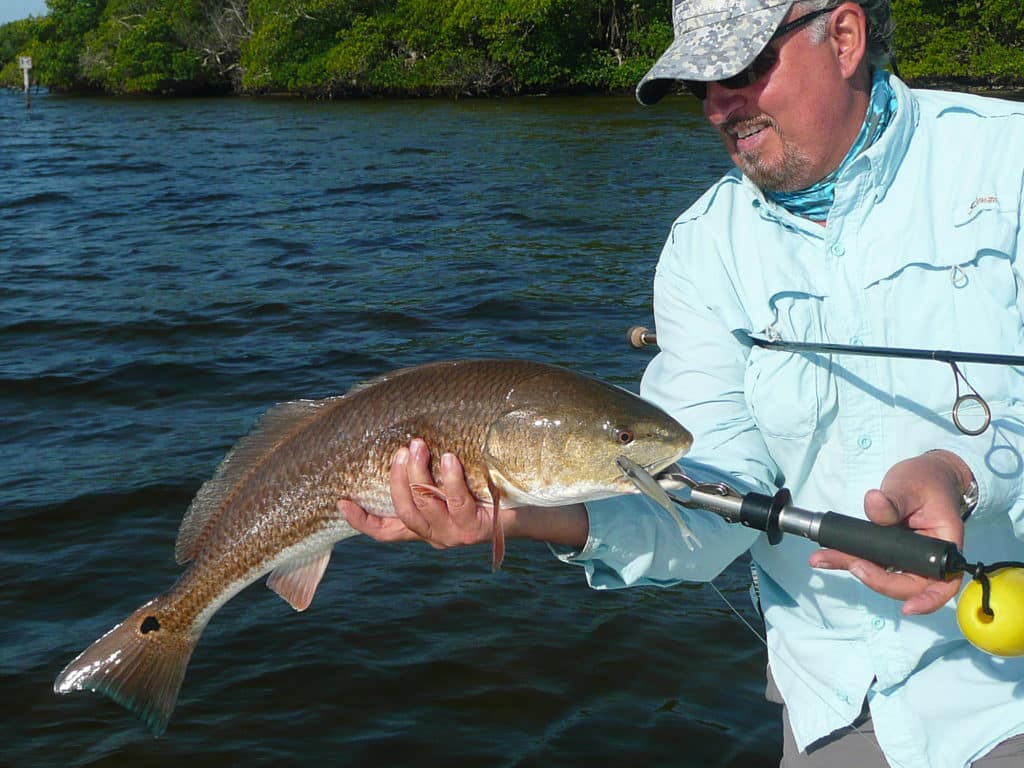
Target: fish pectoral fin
point(423, 489)
point(498, 533)
point(296, 581)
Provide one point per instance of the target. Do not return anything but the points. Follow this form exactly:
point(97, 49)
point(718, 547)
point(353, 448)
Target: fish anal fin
point(296, 581)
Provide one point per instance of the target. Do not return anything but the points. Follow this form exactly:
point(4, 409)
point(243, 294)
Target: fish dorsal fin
point(419, 370)
point(361, 385)
point(296, 581)
point(274, 426)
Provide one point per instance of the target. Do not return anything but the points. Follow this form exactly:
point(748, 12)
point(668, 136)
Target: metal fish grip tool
point(997, 631)
point(898, 548)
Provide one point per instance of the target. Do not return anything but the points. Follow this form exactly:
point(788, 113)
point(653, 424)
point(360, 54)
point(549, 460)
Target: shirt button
point(878, 622)
point(855, 341)
point(838, 249)
point(864, 442)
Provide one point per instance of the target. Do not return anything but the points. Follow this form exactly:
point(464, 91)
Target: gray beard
point(787, 175)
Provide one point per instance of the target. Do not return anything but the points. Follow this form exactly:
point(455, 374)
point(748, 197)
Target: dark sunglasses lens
point(758, 68)
point(697, 88)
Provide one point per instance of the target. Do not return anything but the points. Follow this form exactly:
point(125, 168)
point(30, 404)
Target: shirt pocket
point(965, 291)
point(788, 392)
point(985, 297)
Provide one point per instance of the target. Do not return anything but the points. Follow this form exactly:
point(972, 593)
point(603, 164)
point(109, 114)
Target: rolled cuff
point(634, 542)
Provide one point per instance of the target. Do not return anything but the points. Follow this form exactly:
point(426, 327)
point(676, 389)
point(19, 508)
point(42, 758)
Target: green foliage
point(135, 49)
point(18, 38)
point(291, 37)
point(960, 41)
point(61, 39)
point(327, 48)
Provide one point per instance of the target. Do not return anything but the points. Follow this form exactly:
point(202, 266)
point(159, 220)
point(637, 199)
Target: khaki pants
point(856, 747)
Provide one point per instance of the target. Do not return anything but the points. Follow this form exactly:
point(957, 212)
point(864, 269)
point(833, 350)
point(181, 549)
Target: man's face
point(794, 125)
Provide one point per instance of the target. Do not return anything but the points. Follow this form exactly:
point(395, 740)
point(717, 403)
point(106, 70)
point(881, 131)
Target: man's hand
point(923, 493)
point(447, 520)
point(453, 517)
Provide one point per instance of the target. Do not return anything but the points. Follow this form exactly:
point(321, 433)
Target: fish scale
point(525, 432)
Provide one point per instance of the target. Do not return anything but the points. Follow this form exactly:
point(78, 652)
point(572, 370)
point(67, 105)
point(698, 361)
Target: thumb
point(880, 509)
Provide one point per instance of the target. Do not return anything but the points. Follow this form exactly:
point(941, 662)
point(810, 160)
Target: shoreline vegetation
point(331, 49)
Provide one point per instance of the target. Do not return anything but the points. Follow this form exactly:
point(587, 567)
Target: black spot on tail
point(149, 624)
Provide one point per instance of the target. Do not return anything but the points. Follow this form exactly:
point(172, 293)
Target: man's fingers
point(418, 467)
point(375, 526)
point(899, 586)
point(401, 493)
point(406, 502)
point(442, 511)
point(921, 595)
point(430, 507)
point(462, 504)
point(933, 597)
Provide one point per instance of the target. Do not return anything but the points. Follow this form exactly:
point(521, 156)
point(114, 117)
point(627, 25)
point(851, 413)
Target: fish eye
point(624, 436)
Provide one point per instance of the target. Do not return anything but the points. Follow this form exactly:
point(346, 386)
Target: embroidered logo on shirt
point(986, 200)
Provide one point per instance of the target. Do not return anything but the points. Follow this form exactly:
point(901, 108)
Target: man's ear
point(849, 37)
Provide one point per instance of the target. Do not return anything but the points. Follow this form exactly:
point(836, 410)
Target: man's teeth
point(742, 133)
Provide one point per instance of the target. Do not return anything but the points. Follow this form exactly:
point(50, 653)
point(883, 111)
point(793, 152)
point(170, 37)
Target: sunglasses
point(760, 66)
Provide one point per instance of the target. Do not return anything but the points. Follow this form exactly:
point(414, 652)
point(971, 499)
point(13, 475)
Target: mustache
point(734, 125)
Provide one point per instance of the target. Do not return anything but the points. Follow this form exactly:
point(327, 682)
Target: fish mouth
point(648, 485)
point(662, 470)
point(660, 467)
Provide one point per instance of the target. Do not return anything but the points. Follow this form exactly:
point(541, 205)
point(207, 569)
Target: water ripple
point(169, 269)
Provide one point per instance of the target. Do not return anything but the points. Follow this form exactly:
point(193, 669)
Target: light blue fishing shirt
point(920, 250)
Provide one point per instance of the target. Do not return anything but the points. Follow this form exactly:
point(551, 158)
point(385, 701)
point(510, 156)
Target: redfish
point(526, 432)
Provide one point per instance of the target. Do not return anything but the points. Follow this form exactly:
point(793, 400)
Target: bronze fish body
point(526, 433)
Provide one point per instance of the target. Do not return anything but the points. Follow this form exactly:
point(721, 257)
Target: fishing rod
point(640, 337)
point(989, 618)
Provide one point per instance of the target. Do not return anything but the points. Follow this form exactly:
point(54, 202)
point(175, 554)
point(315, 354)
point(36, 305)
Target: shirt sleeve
point(633, 542)
point(697, 377)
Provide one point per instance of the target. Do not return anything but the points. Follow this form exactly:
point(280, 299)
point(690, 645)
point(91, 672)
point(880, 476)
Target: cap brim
point(712, 52)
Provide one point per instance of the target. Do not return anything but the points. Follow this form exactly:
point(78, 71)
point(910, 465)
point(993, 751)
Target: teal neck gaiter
point(815, 201)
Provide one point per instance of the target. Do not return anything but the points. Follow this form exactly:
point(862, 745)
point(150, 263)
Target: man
point(861, 212)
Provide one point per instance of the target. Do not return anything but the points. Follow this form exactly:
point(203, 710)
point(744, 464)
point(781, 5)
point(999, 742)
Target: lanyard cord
point(980, 572)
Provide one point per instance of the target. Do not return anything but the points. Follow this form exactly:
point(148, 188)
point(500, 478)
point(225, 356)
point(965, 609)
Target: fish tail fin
point(140, 664)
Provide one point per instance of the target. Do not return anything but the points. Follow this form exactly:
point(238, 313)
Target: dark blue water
point(170, 269)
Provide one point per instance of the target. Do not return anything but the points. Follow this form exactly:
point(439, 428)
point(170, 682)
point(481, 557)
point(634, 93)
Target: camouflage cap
point(714, 39)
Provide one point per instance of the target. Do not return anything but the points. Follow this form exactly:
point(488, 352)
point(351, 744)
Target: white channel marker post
point(25, 62)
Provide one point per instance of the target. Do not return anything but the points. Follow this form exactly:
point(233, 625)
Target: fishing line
point(796, 673)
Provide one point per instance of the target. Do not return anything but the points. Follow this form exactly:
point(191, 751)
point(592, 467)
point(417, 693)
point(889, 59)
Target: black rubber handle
point(899, 548)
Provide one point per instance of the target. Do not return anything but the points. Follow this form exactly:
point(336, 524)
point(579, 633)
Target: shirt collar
point(883, 159)
point(885, 156)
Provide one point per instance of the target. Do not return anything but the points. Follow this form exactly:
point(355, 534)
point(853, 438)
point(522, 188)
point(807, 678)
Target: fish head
point(559, 442)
